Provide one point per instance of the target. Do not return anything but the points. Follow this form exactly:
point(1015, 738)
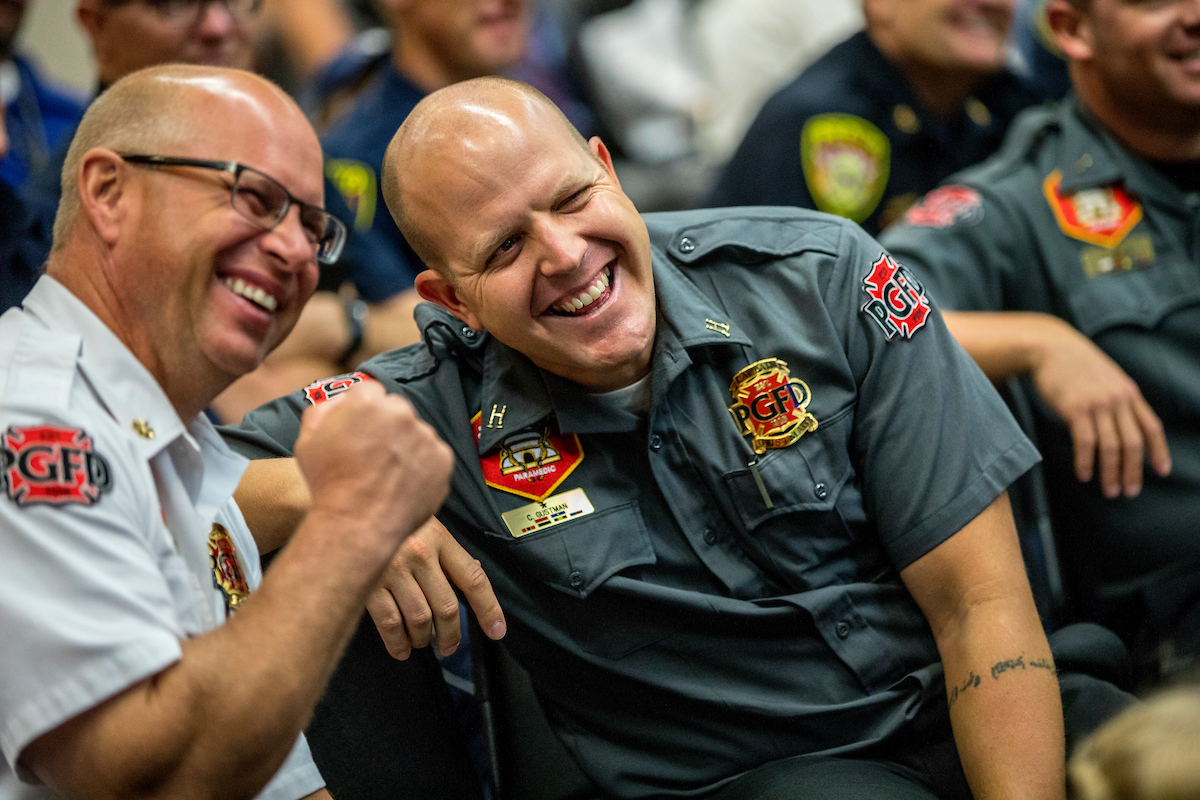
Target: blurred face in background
point(11, 12)
point(129, 35)
point(465, 38)
point(969, 35)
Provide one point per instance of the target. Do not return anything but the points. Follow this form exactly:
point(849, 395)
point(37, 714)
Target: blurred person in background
point(39, 115)
point(884, 116)
point(23, 239)
point(1070, 259)
point(1148, 752)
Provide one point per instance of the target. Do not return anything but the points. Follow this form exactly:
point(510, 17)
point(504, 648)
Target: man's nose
point(216, 20)
point(290, 243)
point(562, 248)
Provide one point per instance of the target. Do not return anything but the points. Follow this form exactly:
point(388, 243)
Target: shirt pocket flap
point(576, 557)
point(807, 476)
point(1141, 299)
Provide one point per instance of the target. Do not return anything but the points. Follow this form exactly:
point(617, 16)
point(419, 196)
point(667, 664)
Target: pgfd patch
point(845, 160)
point(945, 206)
point(532, 462)
point(47, 464)
point(325, 390)
point(770, 405)
point(1100, 216)
point(227, 570)
point(897, 299)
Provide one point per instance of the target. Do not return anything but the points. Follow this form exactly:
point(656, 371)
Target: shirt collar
point(1091, 157)
point(128, 391)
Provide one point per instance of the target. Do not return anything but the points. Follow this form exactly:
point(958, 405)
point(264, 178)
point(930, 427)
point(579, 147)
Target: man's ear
point(1072, 30)
point(434, 287)
point(90, 14)
point(102, 180)
point(601, 152)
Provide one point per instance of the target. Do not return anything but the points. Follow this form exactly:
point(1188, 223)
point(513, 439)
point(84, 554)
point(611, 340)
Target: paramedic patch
point(532, 462)
point(897, 299)
point(322, 391)
point(47, 464)
point(1101, 216)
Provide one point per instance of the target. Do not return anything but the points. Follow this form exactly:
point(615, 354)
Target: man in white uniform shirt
point(135, 661)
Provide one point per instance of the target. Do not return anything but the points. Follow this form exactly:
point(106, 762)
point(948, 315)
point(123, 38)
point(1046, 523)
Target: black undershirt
point(1184, 174)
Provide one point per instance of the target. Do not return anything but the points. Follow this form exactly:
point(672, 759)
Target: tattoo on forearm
point(998, 669)
point(971, 682)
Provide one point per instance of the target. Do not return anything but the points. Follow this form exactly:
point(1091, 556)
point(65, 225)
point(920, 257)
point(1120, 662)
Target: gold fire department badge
point(227, 571)
point(770, 405)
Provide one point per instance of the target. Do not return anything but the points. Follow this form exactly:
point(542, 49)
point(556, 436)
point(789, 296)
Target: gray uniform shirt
point(1065, 221)
point(679, 628)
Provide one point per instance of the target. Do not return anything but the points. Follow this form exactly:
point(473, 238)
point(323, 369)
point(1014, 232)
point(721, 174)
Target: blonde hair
point(1148, 752)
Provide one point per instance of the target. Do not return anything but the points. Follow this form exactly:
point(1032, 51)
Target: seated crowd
point(433, 341)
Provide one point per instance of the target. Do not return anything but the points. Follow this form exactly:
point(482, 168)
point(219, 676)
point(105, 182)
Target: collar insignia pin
point(142, 428)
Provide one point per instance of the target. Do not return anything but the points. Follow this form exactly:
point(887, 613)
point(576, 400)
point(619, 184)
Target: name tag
point(548, 513)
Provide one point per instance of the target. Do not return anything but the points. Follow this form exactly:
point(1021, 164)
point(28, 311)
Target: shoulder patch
point(52, 465)
point(896, 299)
point(358, 186)
point(324, 390)
point(946, 206)
point(846, 161)
point(1101, 216)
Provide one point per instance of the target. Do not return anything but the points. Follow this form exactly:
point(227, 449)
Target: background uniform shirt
point(378, 259)
point(684, 630)
point(1067, 222)
point(849, 137)
point(105, 528)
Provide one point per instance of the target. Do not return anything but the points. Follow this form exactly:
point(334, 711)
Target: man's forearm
point(1004, 343)
point(1005, 706)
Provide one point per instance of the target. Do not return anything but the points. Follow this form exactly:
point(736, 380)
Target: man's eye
point(575, 201)
point(506, 248)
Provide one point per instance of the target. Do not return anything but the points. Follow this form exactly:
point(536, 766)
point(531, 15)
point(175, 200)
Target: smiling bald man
point(141, 657)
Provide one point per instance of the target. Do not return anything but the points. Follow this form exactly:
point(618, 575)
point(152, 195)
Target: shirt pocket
point(1140, 299)
point(576, 557)
point(802, 533)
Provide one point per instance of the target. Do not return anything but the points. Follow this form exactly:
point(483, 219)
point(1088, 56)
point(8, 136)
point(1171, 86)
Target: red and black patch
point(897, 299)
point(329, 388)
point(531, 463)
point(227, 570)
point(946, 206)
point(47, 464)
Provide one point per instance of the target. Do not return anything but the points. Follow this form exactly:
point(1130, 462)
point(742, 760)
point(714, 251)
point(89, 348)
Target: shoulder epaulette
point(745, 235)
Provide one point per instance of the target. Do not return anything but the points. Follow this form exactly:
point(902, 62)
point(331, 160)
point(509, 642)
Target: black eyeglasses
point(264, 201)
point(186, 13)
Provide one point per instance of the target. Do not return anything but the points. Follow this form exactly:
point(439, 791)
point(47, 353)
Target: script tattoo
point(1001, 667)
point(971, 682)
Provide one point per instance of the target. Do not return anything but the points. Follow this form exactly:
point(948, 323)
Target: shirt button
point(820, 491)
point(468, 332)
point(686, 245)
point(710, 536)
point(842, 629)
point(576, 580)
point(655, 442)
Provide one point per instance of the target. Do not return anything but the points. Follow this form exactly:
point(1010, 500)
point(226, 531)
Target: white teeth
point(252, 293)
point(588, 296)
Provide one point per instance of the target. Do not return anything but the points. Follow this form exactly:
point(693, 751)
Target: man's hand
point(369, 458)
point(1111, 424)
point(414, 601)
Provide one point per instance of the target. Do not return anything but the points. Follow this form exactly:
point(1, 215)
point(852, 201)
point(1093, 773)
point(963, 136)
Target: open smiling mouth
point(252, 293)
point(586, 300)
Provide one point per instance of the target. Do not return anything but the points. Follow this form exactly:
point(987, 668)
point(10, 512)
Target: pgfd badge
point(897, 299)
point(770, 405)
point(56, 466)
point(324, 390)
point(532, 462)
point(227, 571)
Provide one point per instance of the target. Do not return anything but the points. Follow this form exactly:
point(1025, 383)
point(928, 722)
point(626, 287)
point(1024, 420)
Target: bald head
point(162, 110)
point(464, 127)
